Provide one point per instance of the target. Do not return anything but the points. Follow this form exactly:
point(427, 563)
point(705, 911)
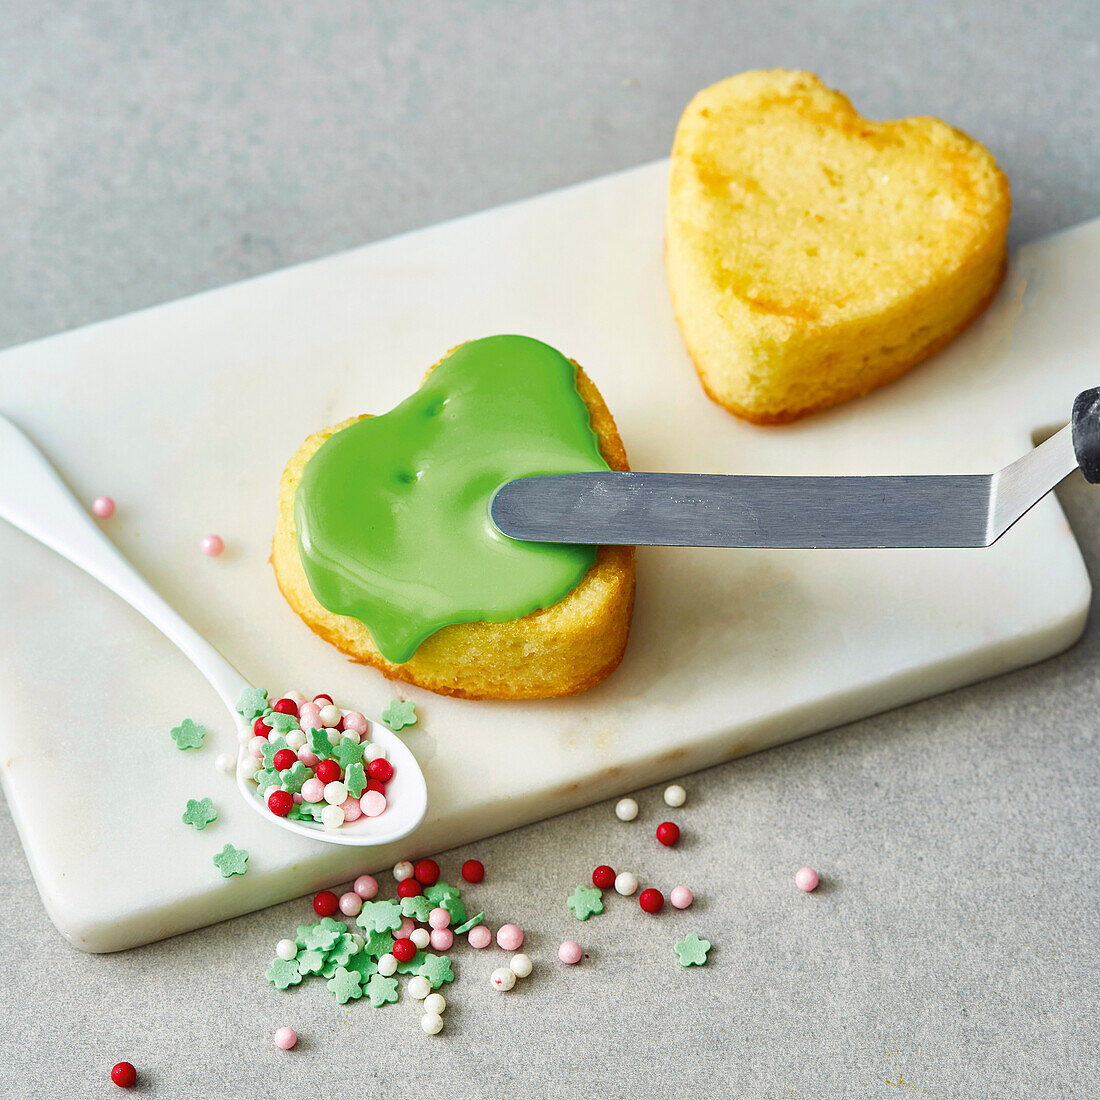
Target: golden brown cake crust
point(814, 254)
point(556, 651)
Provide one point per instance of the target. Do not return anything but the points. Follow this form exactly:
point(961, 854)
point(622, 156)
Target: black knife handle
point(1086, 433)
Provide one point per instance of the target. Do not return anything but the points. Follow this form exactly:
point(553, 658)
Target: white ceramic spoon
point(35, 499)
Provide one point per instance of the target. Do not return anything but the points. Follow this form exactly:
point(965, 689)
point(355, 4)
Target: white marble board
point(186, 413)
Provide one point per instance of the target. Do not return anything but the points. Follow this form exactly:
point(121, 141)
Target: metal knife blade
point(663, 509)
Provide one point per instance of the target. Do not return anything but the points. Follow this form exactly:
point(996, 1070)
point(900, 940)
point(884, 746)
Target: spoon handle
point(35, 499)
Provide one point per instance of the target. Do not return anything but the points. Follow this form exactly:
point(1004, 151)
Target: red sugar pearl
point(652, 901)
point(284, 758)
point(260, 728)
point(603, 877)
point(668, 833)
point(327, 771)
point(404, 950)
point(326, 903)
point(382, 770)
point(323, 700)
point(409, 888)
point(285, 706)
point(426, 871)
point(473, 870)
point(376, 785)
point(279, 802)
point(124, 1075)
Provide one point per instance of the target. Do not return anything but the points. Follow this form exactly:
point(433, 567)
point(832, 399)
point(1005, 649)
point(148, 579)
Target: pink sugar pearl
point(353, 720)
point(351, 904)
point(681, 897)
point(510, 937)
point(313, 790)
point(366, 886)
point(212, 546)
point(408, 926)
point(256, 747)
point(103, 507)
point(442, 939)
point(439, 917)
point(570, 953)
point(352, 810)
point(308, 757)
point(480, 937)
point(373, 803)
point(806, 879)
point(298, 799)
point(285, 1038)
point(309, 716)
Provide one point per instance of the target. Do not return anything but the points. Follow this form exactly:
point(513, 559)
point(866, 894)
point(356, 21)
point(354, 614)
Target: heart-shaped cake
point(814, 254)
point(385, 547)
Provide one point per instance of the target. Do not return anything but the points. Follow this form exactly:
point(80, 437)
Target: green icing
point(392, 512)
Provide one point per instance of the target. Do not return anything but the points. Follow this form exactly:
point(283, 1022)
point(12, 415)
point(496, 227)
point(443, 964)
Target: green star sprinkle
point(266, 777)
point(319, 744)
point(346, 985)
point(347, 752)
point(416, 907)
point(200, 812)
point(188, 735)
point(473, 922)
point(380, 916)
point(363, 965)
point(438, 891)
point(381, 990)
point(281, 723)
point(455, 906)
point(584, 901)
point(398, 715)
point(270, 747)
point(311, 961)
point(378, 943)
point(231, 861)
point(294, 776)
point(312, 810)
point(251, 704)
point(318, 936)
point(691, 950)
point(339, 954)
point(355, 779)
point(283, 972)
point(437, 969)
point(410, 967)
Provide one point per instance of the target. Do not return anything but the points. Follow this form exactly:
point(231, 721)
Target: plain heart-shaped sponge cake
point(384, 545)
point(814, 254)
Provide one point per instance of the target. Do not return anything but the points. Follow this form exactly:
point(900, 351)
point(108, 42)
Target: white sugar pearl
point(675, 795)
point(626, 809)
point(402, 870)
point(333, 736)
point(330, 714)
point(625, 883)
point(387, 965)
point(332, 817)
point(521, 964)
point(248, 767)
point(421, 937)
point(286, 949)
point(431, 1023)
point(295, 740)
point(419, 987)
point(350, 735)
point(336, 794)
point(295, 697)
point(374, 751)
point(434, 1002)
point(225, 763)
point(502, 979)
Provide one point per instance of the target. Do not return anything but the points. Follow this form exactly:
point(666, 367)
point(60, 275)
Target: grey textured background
point(150, 151)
